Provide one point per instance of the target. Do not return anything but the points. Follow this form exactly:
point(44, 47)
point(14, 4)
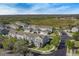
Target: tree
point(70, 44)
point(21, 46)
point(76, 35)
point(70, 27)
point(8, 43)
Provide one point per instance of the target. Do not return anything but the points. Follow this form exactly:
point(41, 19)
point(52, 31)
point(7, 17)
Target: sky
point(38, 8)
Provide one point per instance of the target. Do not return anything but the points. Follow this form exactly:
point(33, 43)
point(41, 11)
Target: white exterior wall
point(26, 30)
point(13, 26)
point(38, 42)
point(16, 35)
point(43, 33)
point(74, 29)
point(12, 35)
point(19, 36)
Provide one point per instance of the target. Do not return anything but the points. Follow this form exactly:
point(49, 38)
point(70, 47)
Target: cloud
point(4, 10)
point(37, 8)
point(46, 9)
point(9, 9)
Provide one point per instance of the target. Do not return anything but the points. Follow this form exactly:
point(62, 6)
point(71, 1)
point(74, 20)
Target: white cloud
point(46, 9)
point(38, 9)
point(6, 10)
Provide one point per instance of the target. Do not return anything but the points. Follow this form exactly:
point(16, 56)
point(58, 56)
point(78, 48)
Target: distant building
point(74, 29)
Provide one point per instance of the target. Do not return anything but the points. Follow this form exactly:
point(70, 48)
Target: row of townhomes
point(38, 35)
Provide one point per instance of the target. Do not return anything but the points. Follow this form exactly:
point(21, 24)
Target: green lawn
point(76, 43)
point(46, 47)
point(54, 42)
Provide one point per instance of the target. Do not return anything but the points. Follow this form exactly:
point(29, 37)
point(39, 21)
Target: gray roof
point(27, 34)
